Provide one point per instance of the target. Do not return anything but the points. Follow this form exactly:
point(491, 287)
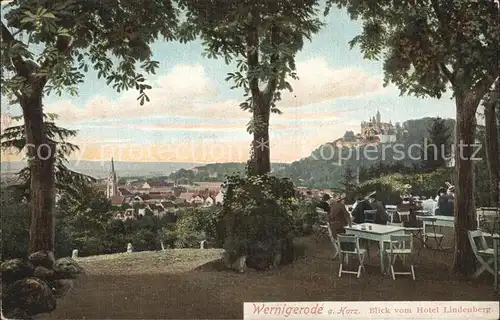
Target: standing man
point(339, 216)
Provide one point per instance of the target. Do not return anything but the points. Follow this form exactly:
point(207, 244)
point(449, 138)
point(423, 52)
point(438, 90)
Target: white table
point(440, 221)
point(378, 233)
point(489, 214)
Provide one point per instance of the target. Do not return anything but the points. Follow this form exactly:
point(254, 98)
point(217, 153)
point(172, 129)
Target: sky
point(193, 115)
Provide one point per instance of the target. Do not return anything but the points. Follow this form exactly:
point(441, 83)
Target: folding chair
point(369, 216)
point(349, 245)
point(333, 240)
point(404, 214)
point(323, 225)
point(401, 246)
point(417, 233)
point(438, 237)
point(488, 220)
point(484, 255)
point(391, 211)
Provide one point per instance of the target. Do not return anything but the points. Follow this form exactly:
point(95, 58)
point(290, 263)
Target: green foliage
point(67, 181)
point(482, 182)
point(257, 209)
point(64, 40)
point(15, 220)
point(428, 44)
point(305, 217)
point(389, 187)
point(168, 235)
point(349, 185)
point(439, 148)
point(196, 225)
point(261, 38)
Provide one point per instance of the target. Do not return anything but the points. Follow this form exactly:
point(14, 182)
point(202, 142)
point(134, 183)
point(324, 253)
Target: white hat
point(407, 186)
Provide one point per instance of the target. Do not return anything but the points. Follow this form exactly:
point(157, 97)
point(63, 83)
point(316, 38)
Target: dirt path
point(167, 285)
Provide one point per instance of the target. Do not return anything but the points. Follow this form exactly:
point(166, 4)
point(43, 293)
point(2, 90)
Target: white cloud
point(187, 91)
point(318, 82)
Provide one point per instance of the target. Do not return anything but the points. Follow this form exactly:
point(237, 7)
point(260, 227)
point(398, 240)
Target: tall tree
point(66, 180)
point(348, 184)
point(262, 37)
point(491, 105)
point(62, 41)
point(439, 144)
point(428, 46)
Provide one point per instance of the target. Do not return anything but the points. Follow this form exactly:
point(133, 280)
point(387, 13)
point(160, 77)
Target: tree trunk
point(464, 208)
point(491, 145)
point(41, 160)
point(261, 144)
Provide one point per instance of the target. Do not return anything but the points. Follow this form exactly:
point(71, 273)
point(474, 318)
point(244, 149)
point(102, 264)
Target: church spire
point(113, 173)
point(378, 117)
point(112, 184)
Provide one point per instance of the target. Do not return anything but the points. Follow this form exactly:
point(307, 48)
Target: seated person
point(381, 217)
point(406, 194)
point(441, 192)
point(358, 211)
point(445, 205)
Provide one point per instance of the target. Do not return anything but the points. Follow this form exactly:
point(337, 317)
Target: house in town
point(219, 198)
point(187, 196)
point(209, 201)
point(197, 199)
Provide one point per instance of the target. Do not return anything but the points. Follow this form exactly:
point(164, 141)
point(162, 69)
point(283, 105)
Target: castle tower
point(378, 118)
point(111, 184)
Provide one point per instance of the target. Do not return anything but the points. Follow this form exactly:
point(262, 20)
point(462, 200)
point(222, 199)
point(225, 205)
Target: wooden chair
point(369, 216)
point(349, 245)
point(391, 210)
point(488, 220)
point(426, 235)
point(401, 246)
point(323, 225)
point(333, 240)
point(483, 254)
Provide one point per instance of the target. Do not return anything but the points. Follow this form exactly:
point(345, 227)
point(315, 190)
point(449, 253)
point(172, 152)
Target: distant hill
point(326, 165)
point(100, 169)
point(324, 168)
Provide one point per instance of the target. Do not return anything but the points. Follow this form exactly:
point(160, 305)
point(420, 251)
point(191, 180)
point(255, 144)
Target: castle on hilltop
point(372, 131)
point(385, 131)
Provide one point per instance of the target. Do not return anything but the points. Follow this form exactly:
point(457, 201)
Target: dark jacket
point(339, 218)
point(323, 205)
point(445, 206)
point(382, 217)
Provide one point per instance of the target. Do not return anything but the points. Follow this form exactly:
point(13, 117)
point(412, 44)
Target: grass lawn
point(185, 284)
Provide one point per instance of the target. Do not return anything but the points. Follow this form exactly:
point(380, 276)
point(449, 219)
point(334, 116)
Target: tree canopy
point(427, 45)
point(57, 42)
point(262, 39)
point(67, 180)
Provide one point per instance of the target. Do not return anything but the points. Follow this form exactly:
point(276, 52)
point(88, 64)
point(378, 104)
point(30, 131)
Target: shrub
point(258, 217)
point(168, 235)
point(15, 219)
point(195, 225)
point(389, 187)
point(305, 217)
